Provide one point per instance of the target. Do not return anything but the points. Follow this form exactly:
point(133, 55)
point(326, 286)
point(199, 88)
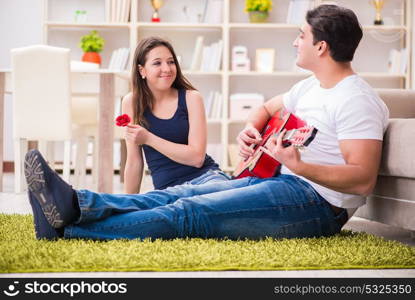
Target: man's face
point(307, 53)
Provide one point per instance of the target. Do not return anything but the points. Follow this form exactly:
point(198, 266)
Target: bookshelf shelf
point(86, 25)
point(179, 25)
point(381, 75)
point(271, 74)
point(385, 28)
point(183, 27)
point(296, 27)
point(263, 26)
point(201, 73)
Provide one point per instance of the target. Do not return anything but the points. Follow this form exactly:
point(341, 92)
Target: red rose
point(122, 120)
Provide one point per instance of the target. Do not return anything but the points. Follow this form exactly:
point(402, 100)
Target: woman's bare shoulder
point(128, 99)
point(193, 94)
point(127, 103)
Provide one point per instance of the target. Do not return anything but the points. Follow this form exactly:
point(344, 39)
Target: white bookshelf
point(180, 23)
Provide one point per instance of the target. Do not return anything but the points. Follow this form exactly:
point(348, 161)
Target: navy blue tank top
point(164, 171)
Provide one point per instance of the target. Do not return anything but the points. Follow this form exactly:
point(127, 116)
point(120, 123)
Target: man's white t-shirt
point(350, 110)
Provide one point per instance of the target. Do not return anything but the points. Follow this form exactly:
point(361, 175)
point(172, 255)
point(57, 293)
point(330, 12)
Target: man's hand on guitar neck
point(247, 138)
point(288, 156)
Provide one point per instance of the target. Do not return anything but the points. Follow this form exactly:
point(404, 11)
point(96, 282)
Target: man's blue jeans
point(279, 207)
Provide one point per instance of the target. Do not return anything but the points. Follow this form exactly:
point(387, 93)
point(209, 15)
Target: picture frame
point(264, 60)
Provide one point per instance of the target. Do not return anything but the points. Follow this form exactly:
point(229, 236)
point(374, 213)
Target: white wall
point(20, 25)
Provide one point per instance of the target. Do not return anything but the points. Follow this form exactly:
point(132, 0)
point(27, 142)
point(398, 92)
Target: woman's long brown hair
point(142, 96)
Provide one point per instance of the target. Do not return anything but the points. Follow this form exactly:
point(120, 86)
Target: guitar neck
point(298, 137)
point(289, 134)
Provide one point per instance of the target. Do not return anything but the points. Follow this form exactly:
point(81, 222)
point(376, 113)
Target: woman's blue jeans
point(209, 176)
point(279, 207)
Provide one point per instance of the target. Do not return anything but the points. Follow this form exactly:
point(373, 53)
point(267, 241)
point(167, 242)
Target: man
point(315, 195)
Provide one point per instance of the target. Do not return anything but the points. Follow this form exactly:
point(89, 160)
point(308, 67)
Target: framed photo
point(264, 60)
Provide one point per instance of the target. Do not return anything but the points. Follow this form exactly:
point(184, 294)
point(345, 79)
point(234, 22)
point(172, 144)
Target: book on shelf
point(214, 48)
point(209, 104)
point(217, 108)
point(119, 59)
point(113, 9)
point(213, 12)
point(218, 56)
point(197, 54)
point(398, 61)
point(117, 11)
point(213, 105)
point(211, 57)
point(297, 10)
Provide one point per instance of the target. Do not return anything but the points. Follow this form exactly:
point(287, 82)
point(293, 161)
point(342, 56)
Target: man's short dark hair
point(338, 27)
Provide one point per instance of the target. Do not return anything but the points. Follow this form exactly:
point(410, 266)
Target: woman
point(169, 122)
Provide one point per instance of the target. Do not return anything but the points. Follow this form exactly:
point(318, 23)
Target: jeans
point(253, 208)
point(209, 176)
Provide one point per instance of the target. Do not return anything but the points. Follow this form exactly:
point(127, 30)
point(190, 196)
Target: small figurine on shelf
point(258, 10)
point(378, 4)
point(157, 4)
point(91, 44)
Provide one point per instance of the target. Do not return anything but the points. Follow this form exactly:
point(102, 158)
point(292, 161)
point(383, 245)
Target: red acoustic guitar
point(262, 164)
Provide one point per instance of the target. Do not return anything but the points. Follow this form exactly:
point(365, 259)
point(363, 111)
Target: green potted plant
point(92, 44)
point(258, 10)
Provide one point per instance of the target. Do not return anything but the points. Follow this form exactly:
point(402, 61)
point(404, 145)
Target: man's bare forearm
point(255, 124)
point(258, 118)
point(351, 179)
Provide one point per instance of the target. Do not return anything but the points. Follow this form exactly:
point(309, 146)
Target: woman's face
point(159, 69)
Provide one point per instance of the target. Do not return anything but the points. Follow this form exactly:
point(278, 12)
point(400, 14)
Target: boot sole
point(36, 183)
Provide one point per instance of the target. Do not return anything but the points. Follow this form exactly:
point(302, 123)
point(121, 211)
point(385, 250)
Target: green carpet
point(21, 252)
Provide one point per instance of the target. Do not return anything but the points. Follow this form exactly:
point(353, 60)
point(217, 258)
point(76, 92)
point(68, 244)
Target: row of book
point(206, 58)
point(119, 59)
point(117, 11)
point(398, 61)
point(213, 105)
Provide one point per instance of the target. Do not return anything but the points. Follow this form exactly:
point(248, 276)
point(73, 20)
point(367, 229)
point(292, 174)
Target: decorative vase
point(92, 57)
point(258, 16)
